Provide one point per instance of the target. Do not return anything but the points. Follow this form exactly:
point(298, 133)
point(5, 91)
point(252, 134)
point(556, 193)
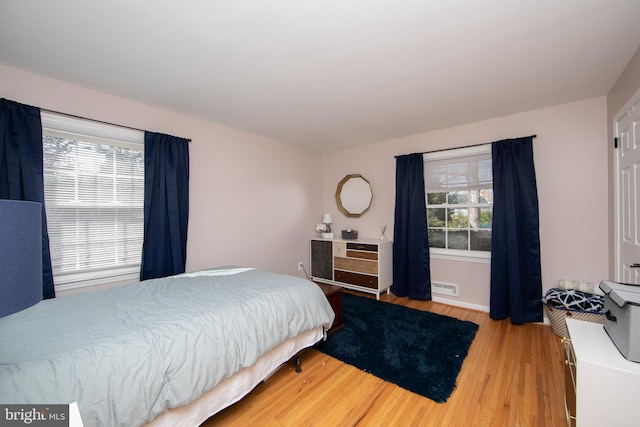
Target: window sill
point(91, 279)
point(465, 256)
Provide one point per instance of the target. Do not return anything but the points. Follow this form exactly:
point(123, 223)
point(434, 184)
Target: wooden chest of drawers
point(334, 296)
point(601, 386)
point(363, 265)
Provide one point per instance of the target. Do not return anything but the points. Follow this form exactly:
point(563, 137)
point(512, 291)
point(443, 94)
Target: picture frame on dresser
point(364, 265)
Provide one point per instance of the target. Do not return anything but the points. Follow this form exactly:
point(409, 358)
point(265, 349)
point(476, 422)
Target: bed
point(170, 351)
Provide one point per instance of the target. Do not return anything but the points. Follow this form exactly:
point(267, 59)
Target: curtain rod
point(458, 148)
point(94, 120)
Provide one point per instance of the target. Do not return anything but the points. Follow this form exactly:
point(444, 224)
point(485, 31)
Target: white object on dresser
point(601, 386)
point(364, 265)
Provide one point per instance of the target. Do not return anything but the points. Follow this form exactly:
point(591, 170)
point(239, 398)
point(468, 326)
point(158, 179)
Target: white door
point(627, 169)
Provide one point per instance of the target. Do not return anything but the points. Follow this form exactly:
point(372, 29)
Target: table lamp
point(327, 221)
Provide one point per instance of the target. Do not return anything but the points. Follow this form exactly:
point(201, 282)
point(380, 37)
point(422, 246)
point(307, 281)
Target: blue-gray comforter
point(129, 353)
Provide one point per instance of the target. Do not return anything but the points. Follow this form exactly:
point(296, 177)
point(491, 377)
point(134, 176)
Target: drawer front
point(363, 247)
point(356, 279)
point(362, 254)
point(339, 249)
point(570, 379)
point(569, 394)
point(570, 363)
point(356, 265)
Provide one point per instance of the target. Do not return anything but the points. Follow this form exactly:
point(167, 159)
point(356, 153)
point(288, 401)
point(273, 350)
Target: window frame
point(55, 125)
point(483, 257)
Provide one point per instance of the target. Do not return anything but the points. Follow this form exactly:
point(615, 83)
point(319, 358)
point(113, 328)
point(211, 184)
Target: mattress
point(131, 353)
point(237, 386)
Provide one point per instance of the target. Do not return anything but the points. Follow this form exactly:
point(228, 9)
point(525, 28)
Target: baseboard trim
point(476, 307)
point(462, 304)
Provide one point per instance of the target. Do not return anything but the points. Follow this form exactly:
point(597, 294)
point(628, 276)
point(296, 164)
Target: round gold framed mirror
point(354, 195)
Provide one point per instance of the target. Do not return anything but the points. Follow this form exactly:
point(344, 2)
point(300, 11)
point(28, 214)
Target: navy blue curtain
point(21, 169)
point(166, 205)
point(516, 277)
point(411, 273)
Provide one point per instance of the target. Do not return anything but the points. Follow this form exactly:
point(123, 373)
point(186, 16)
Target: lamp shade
point(326, 219)
point(20, 255)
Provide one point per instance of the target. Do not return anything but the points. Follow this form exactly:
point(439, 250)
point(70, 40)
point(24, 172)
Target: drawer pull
point(610, 316)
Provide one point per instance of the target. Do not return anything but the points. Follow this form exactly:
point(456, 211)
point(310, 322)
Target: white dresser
point(364, 265)
point(602, 387)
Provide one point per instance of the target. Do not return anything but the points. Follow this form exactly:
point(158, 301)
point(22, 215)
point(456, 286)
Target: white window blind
point(469, 172)
point(94, 199)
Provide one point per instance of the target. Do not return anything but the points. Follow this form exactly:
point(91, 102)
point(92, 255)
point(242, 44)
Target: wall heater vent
point(444, 289)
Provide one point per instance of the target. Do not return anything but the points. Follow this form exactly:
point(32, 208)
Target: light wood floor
point(512, 376)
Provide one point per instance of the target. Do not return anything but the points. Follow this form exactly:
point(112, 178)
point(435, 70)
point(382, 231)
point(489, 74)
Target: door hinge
point(615, 142)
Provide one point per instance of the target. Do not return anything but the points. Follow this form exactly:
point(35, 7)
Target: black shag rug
point(417, 350)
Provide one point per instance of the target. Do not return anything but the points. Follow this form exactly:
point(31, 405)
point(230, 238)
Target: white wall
point(253, 200)
point(570, 159)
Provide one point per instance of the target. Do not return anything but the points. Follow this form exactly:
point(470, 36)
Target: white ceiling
point(329, 73)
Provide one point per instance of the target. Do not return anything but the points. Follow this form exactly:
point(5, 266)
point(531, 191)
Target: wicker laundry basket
point(557, 316)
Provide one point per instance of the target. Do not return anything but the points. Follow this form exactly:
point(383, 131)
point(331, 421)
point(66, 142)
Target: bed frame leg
point(298, 368)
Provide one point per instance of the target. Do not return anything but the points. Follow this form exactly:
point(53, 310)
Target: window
point(459, 201)
point(94, 199)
